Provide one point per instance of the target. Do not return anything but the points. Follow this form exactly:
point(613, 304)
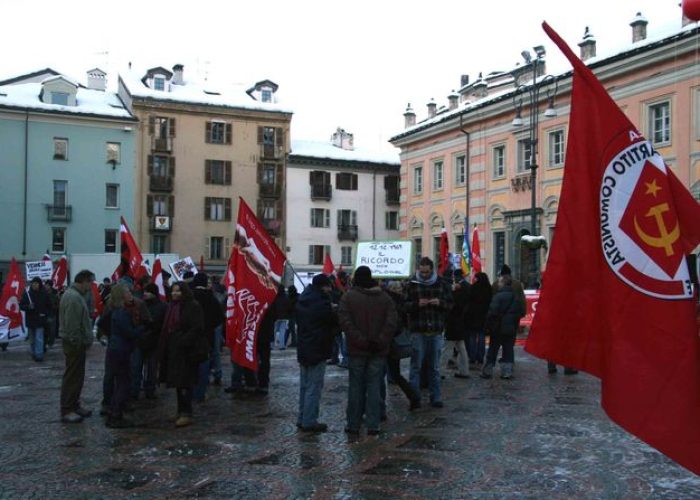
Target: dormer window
point(267, 95)
point(159, 83)
point(59, 98)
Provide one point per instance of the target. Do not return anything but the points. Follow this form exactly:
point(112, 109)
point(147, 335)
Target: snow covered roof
point(89, 102)
point(204, 93)
point(325, 150)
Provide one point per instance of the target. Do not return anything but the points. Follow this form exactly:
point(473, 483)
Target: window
point(460, 170)
point(556, 148)
point(346, 256)
point(499, 250)
point(114, 152)
point(159, 243)
point(459, 242)
point(217, 172)
point(438, 171)
point(160, 166)
point(111, 240)
point(660, 123)
point(317, 254)
point(392, 220)
point(159, 83)
point(268, 136)
point(218, 133)
point(59, 98)
point(346, 181)
point(268, 174)
point(216, 248)
point(320, 217)
point(266, 95)
point(112, 196)
point(347, 218)
point(160, 205)
point(163, 127)
point(59, 194)
point(417, 250)
point(217, 209)
point(524, 155)
point(436, 250)
point(60, 148)
point(417, 180)
point(268, 209)
point(58, 239)
point(499, 161)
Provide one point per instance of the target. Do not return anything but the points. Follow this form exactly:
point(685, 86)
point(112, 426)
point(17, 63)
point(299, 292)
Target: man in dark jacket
point(36, 304)
point(144, 358)
point(428, 301)
point(315, 321)
point(368, 317)
point(213, 317)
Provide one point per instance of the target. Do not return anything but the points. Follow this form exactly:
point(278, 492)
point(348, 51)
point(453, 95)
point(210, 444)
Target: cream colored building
point(199, 148)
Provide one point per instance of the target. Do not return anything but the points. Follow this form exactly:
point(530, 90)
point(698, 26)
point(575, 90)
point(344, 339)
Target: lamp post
point(532, 92)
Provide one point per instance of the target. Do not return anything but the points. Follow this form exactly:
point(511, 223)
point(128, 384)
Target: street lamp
point(532, 92)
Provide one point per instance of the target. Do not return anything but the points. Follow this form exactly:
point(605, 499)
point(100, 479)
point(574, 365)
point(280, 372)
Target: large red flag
point(476, 251)
point(444, 263)
point(157, 278)
point(131, 259)
point(253, 276)
point(59, 277)
point(617, 299)
point(9, 305)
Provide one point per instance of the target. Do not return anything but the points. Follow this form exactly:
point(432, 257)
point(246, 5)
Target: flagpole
point(466, 168)
point(296, 274)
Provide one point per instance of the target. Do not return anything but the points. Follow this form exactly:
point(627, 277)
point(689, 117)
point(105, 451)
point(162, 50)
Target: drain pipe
point(26, 182)
point(466, 167)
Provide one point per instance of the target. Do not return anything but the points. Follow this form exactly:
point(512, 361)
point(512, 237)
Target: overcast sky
point(352, 64)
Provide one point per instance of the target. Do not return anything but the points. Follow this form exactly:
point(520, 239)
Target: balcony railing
point(59, 213)
point(347, 232)
point(270, 190)
point(321, 191)
point(160, 183)
point(162, 144)
point(392, 197)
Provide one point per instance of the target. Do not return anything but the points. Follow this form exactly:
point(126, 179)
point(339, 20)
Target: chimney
point(639, 27)
point(97, 79)
point(342, 139)
point(177, 75)
point(453, 100)
point(587, 45)
point(480, 87)
point(409, 117)
point(464, 80)
point(432, 107)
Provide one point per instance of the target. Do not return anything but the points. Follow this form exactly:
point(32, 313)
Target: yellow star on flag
point(652, 188)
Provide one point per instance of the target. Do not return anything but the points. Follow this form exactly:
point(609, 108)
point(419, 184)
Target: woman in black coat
point(455, 331)
point(182, 340)
point(475, 317)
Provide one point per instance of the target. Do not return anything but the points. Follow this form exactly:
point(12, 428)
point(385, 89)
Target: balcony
point(273, 226)
point(160, 183)
point(270, 152)
point(162, 144)
point(392, 197)
point(347, 232)
point(270, 190)
point(59, 213)
point(161, 224)
point(321, 191)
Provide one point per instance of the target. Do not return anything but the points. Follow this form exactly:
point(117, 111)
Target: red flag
point(46, 257)
point(328, 267)
point(131, 259)
point(617, 299)
point(444, 263)
point(157, 279)
point(59, 277)
point(9, 305)
point(97, 298)
point(253, 276)
point(201, 264)
point(476, 252)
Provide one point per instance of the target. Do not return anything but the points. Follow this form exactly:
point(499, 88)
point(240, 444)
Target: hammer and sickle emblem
point(665, 239)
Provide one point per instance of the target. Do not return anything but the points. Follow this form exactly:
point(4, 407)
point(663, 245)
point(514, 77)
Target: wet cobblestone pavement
point(536, 436)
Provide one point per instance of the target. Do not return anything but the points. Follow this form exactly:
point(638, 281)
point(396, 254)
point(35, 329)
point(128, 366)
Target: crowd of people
point(440, 322)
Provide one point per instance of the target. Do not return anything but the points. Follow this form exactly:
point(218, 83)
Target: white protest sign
point(180, 267)
point(39, 269)
point(386, 259)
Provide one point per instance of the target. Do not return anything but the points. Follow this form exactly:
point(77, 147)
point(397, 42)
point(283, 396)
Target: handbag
point(401, 346)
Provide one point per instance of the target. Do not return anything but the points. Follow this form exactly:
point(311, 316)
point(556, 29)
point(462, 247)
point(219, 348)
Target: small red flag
point(97, 298)
point(201, 264)
point(617, 299)
point(131, 259)
point(328, 267)
point(12, 293)
point(59, 277)
point(476, 252)
point(444, 263)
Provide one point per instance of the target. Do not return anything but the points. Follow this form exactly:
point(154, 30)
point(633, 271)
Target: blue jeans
point(310, 387)
point(200, 389)
point(364, 391)
point(215, 356)
point(427, 347)
point(143, 370)
point(36, 339)
point(476, 346)
point(119, 363)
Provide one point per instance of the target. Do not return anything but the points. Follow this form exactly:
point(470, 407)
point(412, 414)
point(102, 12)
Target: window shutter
point(151, 125)
point(171, 167)
point(227, 208)
point(260, 173)
point(338, 181)
point(311, 177)
point(171, 206)
point(207, 247)
point(353, 218)
point(260, 135)
point(278, 210)
point(227, 248)
point(279, 180)
point(386, 182)
point(311, 254)
point(354, 182)
point(327, 217)
point(207, 171)
point(149, 169)
point(227, 173)
point(207, 208)
point(259, 212)
point(171, 128)
point(326, 176)
point(340, 218)
point(279, 136)
point(311, 218)
point(207, 132)
point(149, 205)
point(386, 220)
point(228, 133)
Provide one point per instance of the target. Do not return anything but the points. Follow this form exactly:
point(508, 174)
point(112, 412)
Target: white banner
point(386, 259)
point(180, 267)
point(39, 269)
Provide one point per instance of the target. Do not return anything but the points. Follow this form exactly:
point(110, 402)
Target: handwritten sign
point(180, 267)
point(386, 259)
point(39, 269)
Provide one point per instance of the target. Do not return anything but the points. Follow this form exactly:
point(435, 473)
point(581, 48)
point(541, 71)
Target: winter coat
point(211, 308)
point(316, 321)
point(477, 308)
point(454, 325)
point(506, 305)
point(518, 290)
point(123, 332)
point(428, 320)
point(149, 341)
point(177, 368)
point(369, 319)
point(74, 318)
point(37, 307)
